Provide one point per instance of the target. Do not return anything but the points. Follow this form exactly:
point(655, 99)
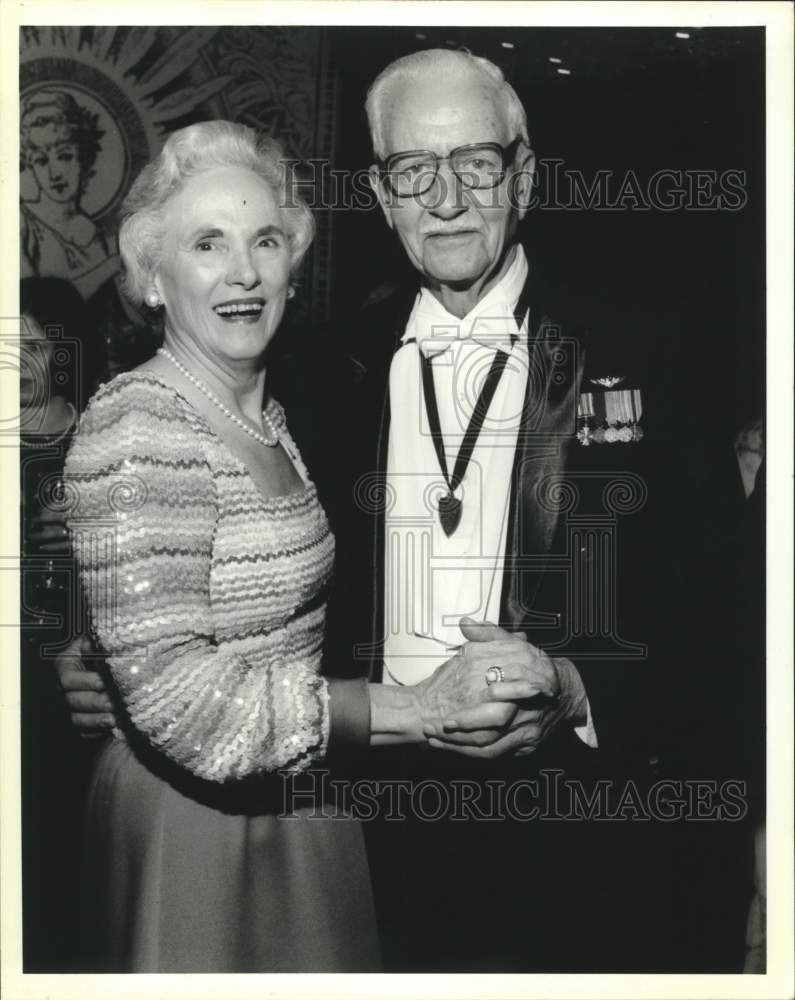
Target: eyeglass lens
point(475, 167)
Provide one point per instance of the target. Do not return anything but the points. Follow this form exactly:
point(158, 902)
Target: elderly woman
point(205, 561)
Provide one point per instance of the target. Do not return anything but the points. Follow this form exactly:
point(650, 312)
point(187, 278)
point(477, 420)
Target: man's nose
point(445, 197)
point(241, 269)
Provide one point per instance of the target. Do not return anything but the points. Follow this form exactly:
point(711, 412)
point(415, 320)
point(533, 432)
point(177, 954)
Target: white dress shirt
point(432, 580)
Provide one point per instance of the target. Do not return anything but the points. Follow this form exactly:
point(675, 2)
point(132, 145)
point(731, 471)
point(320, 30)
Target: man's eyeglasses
point(478, 165)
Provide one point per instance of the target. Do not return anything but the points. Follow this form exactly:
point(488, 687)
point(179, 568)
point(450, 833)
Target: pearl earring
point(291, 292)
point(152, 299)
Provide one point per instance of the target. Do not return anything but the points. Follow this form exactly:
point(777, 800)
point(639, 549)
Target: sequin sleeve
point(143, 520)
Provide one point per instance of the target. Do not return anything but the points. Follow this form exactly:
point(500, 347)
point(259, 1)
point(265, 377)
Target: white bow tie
point(496, 333)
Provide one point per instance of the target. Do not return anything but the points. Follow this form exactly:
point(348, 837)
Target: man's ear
point(383, 196)
point(522, 182)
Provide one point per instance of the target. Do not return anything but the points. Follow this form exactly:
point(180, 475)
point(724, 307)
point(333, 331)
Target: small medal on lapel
point(609, 417)
point(608, 381)
point(449, 513)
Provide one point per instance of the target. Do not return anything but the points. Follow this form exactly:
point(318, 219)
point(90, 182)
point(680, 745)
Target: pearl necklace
point(269, 442)
point(50, 440)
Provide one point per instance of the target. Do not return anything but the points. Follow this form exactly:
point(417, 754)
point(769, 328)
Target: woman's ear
point(152, 296)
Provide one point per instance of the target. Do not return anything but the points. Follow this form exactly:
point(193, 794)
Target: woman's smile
point(241, 310)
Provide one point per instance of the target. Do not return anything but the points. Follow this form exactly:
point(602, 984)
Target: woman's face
point(225, 266)
point(34, 364)
point(53, 159)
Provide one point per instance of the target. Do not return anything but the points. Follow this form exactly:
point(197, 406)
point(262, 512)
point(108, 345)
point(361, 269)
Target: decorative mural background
point(96, 104)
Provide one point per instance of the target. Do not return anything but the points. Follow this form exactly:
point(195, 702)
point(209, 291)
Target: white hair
point(190, 151)
point(439, 61)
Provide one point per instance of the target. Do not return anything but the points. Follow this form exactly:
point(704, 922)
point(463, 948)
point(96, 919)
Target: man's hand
point(409, 713)
point(519, 713)
point(458, 687)
point(48, 533)
point(90, 708)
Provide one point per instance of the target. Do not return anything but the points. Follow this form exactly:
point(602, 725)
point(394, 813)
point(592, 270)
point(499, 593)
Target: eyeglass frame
point(508, 154)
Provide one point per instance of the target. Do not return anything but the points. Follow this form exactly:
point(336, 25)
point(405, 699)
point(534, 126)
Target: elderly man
point(499, 466)
point(458, 430)
point(484, 461)
point(454, 179)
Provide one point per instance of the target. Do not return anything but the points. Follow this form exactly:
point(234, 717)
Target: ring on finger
point(494, 675)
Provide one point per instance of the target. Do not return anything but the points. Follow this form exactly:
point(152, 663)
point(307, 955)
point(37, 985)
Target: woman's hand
point(514, 715)
point(458, 687)
point(412, 713)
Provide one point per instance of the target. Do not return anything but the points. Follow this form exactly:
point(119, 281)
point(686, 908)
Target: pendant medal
point(449, 513)
point(450, 507)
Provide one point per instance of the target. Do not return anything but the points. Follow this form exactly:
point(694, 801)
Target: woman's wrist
point(363, 714)
point(395, 714)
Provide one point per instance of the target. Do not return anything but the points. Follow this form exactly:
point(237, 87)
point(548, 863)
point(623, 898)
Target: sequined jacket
point(207, 598)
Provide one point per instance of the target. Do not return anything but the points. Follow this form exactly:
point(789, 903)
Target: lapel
point(544, 451)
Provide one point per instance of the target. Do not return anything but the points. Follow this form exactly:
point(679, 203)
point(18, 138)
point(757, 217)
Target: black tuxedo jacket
point(626, 558)
point(622, 557)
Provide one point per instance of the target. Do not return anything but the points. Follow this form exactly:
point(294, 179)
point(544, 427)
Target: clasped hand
point(458, 711)
point(48, 534)
point(513, 716)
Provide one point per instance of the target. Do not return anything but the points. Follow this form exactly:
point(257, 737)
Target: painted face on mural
point(53, 158)
point(225, 265)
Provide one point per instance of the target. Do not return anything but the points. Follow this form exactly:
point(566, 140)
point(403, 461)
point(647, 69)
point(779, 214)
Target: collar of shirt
point(491, 323)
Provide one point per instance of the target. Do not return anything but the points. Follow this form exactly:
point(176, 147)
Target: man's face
point(455, 236)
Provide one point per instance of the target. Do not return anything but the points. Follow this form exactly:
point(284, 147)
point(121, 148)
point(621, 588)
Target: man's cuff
point(573, 687)
point(349, 715)
point(587, 733)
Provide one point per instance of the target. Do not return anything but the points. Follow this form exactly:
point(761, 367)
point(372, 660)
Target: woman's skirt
point(184, 876)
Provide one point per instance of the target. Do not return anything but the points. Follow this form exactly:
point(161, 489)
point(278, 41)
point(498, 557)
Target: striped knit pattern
point(206, 596)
